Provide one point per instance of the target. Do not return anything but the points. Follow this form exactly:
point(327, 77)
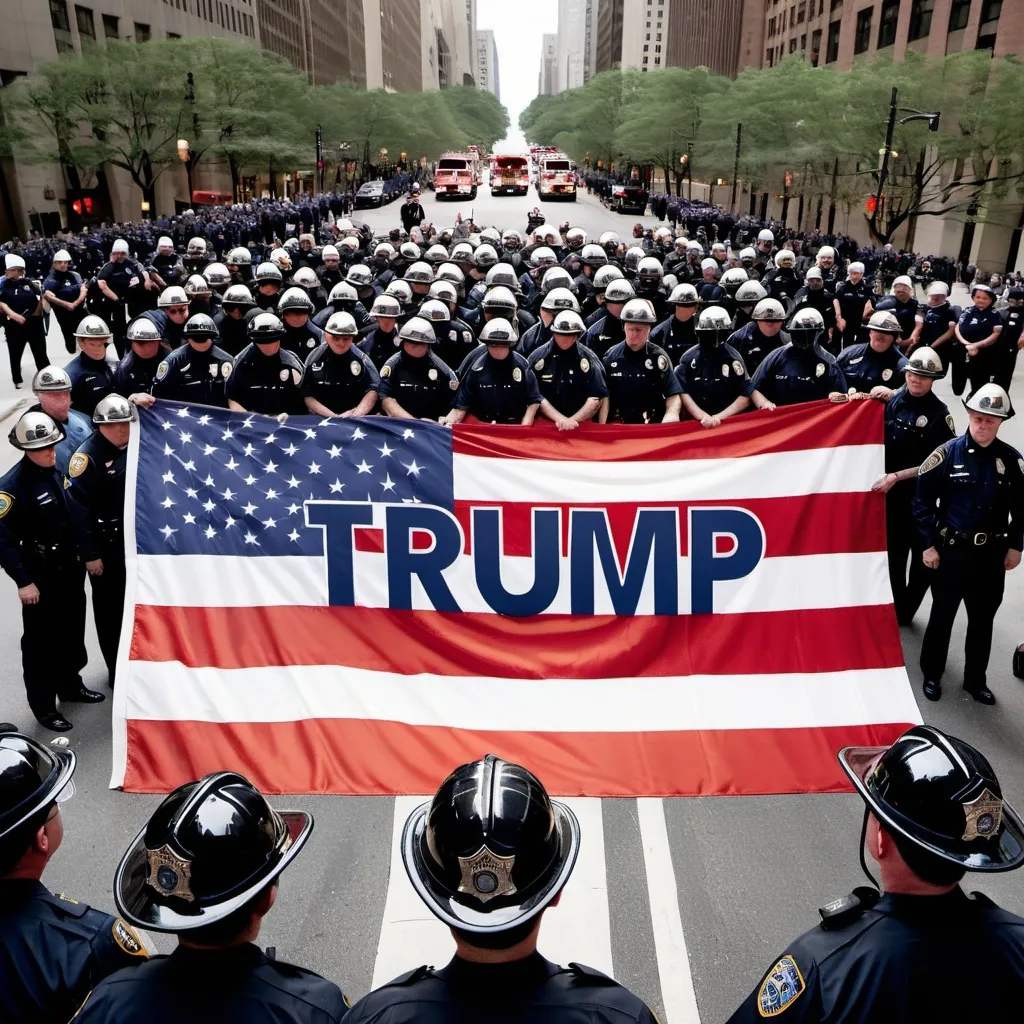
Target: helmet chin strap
point(863, 858)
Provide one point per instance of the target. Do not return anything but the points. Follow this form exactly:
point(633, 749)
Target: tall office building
point(322, 38)
point(572, 44)
point(608, 52)
point(547, 82)
point(487, 63)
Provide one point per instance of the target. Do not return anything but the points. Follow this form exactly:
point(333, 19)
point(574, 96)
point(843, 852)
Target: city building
point(322, 38)
point(838, 33)
point(32, 196)
point(608, 50)
point(547, 82)
point(572, 43)
point(487, 63)
point(446, 55)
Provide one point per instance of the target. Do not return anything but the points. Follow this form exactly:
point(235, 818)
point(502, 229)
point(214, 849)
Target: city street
point(747, 873)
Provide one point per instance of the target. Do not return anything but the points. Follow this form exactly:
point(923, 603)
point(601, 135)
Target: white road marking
point(677, 993)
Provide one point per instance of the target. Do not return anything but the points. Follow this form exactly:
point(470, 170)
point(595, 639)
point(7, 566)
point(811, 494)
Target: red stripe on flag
point(384, 758)
point(787, 429)
point(806, 524)
point(541, 647)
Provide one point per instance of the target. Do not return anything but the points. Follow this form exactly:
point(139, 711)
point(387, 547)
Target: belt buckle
point(980, 539)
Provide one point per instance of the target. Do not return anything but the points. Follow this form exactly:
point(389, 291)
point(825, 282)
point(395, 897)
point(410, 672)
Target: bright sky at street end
point(518, 26)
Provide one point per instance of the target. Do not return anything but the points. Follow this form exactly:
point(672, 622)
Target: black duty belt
point(961, 537)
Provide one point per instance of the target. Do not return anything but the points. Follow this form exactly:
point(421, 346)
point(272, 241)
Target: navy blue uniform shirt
point(568, 377)
point(91, 380)
point(188, 375)
point(713, 376)
point(864, 368)
point(497, 390)
point(423, 386)
point(790, 375)
point(266, 384)
point(339, 382)
point(638, 383)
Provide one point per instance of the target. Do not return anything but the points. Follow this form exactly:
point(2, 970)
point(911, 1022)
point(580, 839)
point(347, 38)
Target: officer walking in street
point(498, 385)
point(22, 305)
point(339, 378)
point(852, 304)
point(933, 811)
point(91, 371)
point(916, 423)
point(38, 550)
point(96, 479)
point(969, 509)
point(711, 374)
point(52, 388)
point(935, 324)
point(978, 331)
point(65, 291)
point(265, 378)
point(116, 278)
point(488, 855)
point(568, 374)
point(641, 385)
point(207, 868)
point(53, 949)
point(414, 383)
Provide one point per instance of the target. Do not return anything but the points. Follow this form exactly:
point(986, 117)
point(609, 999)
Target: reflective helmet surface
point(750, 293)
point(265, 328)
point(684, 295)
point(196, 287)
point(418, 330)
point(604, 275)
point(294, 300)
point(94, 327)
point(142, 329)
point(619, 290)
point(32, 776)
point(499, 298)
point(51, 378)
point(435, 311)
point(172, 296)
point(884, 322)
point(238, 295)
point(268, 272)
point(200, 325)
point(114, 409)
point(560, 298)
point(769, 309)
point(498, 331)
point(990, 400)
point(359, 275)
point(341, 323)
point(568, 321)
point(216, 275)
point(638, 311)
point(35, 431)
point(925, 362)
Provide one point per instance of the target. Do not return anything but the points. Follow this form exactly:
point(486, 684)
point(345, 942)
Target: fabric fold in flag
point(357, 606)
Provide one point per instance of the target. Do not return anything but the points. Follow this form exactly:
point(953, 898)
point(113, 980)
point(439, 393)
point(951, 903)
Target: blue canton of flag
point(218, 482)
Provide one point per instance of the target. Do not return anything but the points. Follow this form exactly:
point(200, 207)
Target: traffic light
point(871, 205)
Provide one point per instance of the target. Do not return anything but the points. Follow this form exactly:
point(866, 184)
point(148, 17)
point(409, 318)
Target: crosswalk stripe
point(579, 929)
point(677, 992)
point(410, 935)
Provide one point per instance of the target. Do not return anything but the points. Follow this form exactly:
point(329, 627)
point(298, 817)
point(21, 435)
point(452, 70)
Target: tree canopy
point(810, 131)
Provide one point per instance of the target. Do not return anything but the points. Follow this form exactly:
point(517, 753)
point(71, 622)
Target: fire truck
point(556, 178)
point(510, 175)
point(456, 176)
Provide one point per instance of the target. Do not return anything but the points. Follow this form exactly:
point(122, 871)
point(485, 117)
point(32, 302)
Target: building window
point(657, 49)
point(832, 49)
point(86, 25)
point(659, 37)
point(887, 23)
point(801, 13)
point(815, 46)
point(862, 40)
point(59, 15)
point(141, 32)
point(648, 37)
point(959, 12)
point(803, 41)
point(769, 56)
point(646, 47)
point(837, 5)
point(173, 35)
point(990, 10)
point(920, 19)
point(110, 26)
point(987, 43)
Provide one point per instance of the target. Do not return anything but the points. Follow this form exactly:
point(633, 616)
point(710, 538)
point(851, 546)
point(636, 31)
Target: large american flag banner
point(357, 606)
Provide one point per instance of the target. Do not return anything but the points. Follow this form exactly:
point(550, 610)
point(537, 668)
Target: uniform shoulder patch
point(410, 977)
point(936, 458)
point(949, 423)
point(584, 365)
point(539, 365)
point(128, 939)
point(225, 369)
point(662, 363)
point(453, 384)
point(78, 465)
point(6, 501)
point(782, 986)
point(591, 975)
point(385, 371)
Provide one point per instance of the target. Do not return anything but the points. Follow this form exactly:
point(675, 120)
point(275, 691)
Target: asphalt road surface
point(686, 901)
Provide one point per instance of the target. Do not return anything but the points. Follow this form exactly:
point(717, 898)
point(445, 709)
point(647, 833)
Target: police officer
point(568, 374)
point(540, 333)
point(166, 267)
point(92, 370)
point(1010, 336)
point(782, 282)
point(902, 304)
point(747, 296)
point(935, 324)
point(137, 369)
point(762, 335)
point(339, 378)
point(300, 336)
point(852, 304)
point(969, 509)
point(22, 305)
point(230, 319)
point(414, 383)
point(641, 385)
point(800, 371)
point(916, 423)
point(381, 342)
point(933, 810)
point(170, 315)
point(197, 372)
point(455, 339)
point(95, 482)
point(676, 335)
point(52, 388)
point(53, 949)
point(116, 278)
point(38, 551)
point(265, 377)
point(498, 385)
point(609, 330)
point(876, 362)
point(266, 285)
point(487, 855)
point(206, 868)
point(814, 294)
point(65, 291)
point(711, 374)
point(978, 331)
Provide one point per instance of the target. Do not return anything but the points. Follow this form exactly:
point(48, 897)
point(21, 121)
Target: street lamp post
point(736, 166)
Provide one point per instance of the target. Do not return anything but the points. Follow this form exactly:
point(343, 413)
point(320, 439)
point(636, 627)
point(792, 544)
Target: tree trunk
point(236, 178)
point(800, 212)
point(832, 198)
point(817, 213)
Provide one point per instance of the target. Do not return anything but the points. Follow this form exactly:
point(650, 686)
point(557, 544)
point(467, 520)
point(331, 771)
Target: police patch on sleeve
point(737, 368)
point(662, 363)
point(385, 371)
point(886, 373)
point(6, 501)
point(819, 369)
point(225, 370)
point(296, 375)
point(539, 365)
point(161, 370)
point(584, 365)
point(357, 367)
point(78, 464)
point(936, 458)
point(949, 422)
point(128, 939)
point(782, 986)
point(517, 375)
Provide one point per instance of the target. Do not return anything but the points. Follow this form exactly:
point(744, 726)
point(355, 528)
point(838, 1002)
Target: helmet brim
point(63, 768)
point(1005, 855)
point(440, 901)
point(136, 900)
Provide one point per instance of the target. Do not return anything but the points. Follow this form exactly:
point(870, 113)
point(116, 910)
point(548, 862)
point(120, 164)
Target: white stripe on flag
point(168, 691)
point(410, 935)
point(841, 470)
point(785, 583)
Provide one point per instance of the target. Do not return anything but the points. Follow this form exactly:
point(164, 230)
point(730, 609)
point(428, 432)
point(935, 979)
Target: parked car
point(629, 198)
point(371, 194)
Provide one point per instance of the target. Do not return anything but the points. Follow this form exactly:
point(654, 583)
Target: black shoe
point(83, 695)
point(982, 694)
point(932, 689)
point(8, 727)
point(54, 721)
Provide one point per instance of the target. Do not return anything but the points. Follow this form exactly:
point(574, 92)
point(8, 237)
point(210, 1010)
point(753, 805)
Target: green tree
point(479, 115)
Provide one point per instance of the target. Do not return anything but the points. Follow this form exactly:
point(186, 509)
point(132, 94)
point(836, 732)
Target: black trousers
point(108, 607)
point(69, 319)
point(53, 650)
point(976, 577)
point(30, 333)
point(903, 543)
